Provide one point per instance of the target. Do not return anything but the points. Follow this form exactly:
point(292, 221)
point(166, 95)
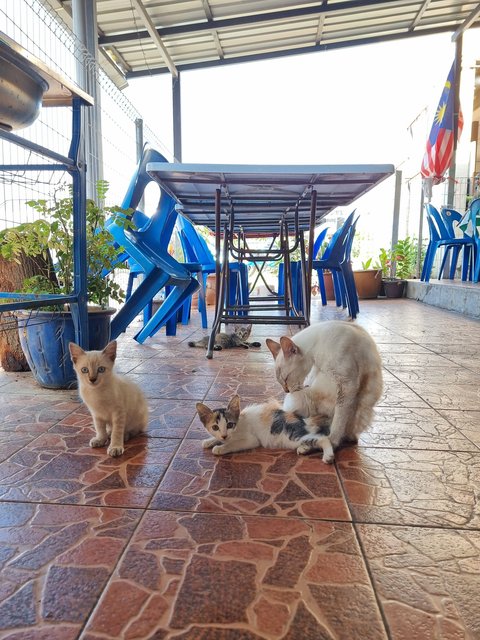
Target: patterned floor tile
point(33, 414)
point(407, 428)
point(228, 577)
point(401, 486)
point(60, 467)
point(434, 375)
point(393, 360)
point(260, 481)
point(465, 397)
point(467, 422)
point(175, 386)
point(427, 580)
point(170, 418)
point(398, 394)
point(246, 386)
point(55, 561)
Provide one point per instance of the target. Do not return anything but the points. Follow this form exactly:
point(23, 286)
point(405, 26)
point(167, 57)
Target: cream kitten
point(345, 353)
point(118, 407)
point(265, 425)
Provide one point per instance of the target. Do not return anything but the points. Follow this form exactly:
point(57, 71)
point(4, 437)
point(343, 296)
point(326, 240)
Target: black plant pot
point(394, 288)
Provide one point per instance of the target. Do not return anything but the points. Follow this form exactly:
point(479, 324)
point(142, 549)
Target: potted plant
point(45, 334)
point(368, 280)
point(402, 261)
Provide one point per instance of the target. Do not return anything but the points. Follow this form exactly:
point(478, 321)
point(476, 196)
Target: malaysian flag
point(439, 152)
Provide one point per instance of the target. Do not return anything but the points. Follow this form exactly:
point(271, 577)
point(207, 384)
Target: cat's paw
point(218, 450)
point(217, 347)
point(328, 458)
point(255, 344)
point(115, 451)
point(303, 449)
point(208, 443)
point(98, 442)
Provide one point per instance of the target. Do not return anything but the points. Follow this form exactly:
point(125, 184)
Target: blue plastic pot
point(44, 337)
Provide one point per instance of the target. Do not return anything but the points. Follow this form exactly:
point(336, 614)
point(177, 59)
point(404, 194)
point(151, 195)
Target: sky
point(346, 106)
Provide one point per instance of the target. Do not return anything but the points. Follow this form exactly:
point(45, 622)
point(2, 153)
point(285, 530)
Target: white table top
point(261, 195)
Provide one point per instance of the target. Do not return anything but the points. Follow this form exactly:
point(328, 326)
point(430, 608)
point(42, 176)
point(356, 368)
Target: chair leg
point(168, 309)
point(151, 285)
point(321, 286)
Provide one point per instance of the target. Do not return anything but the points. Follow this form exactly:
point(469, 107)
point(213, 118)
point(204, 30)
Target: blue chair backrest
point(450, 217)
point(439, 222)
point(195, 243)
point(335, 249)
point(317, 245)
point(475, 217)
point(432, 227)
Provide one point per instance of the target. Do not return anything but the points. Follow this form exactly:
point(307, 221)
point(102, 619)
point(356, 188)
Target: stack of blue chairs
point(195, 249)
point(147, 246)
point(296, 272)
point(442, 234)
point(336, 258)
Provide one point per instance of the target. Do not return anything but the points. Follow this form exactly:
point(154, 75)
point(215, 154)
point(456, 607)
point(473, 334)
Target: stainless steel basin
point(21, 91)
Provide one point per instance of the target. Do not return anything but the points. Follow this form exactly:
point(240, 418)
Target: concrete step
point(453, 295)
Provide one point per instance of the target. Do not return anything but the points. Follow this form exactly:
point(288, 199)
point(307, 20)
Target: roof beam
point(469, 20)
point(216, 39)
point(420, 13)
point(213, 24)
point(291, 52)
point(152, 32)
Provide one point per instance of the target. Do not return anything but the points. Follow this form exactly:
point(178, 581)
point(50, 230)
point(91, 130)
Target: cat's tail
point(196, 344)
point(370, 395)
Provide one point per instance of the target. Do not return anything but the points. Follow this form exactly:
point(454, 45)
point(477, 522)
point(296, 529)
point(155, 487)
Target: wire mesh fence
point(42, 33)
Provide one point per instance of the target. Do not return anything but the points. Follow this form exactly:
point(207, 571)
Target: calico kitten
point(238, 338)
point(345, 353)
point(118, 406)
point(265, 425)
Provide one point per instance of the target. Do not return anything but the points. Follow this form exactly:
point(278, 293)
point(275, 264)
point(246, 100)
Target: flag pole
point(456, 109)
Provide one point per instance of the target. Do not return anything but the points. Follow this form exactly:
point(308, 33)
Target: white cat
point(118, 406)
point(345, 353)
point(265, 425)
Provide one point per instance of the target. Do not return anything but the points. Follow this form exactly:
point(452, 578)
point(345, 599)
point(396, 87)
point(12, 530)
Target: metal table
point(263, 200)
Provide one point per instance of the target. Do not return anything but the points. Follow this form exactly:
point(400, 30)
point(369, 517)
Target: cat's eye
point(101, 369)
point(230, 425)
point(84, 369)
point(215, 427)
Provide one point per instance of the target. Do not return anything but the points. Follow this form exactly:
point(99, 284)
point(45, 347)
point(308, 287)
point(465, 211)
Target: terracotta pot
point(328, 280)
point(394, 288)
point(368, 283)
point(211, 289)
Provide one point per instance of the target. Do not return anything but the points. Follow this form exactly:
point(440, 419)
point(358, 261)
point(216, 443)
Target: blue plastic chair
point(296, 273)
point(474, 217)
point(336, 258)
point(196, 249)
point(442, 234)
point(148, 246)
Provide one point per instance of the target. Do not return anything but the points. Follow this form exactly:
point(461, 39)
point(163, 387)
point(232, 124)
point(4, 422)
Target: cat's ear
point(203, 411)
point(75, 351)
point(289, 348)
point(234, 407)
point(273, 346)
point(111, 350)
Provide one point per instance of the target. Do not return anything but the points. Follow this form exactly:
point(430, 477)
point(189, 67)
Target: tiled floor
point(170, 542)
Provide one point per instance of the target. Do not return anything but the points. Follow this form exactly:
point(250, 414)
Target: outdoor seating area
point(169, 541)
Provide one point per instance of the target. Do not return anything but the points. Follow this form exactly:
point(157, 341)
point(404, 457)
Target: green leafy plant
point(51, 238)
point(383, 262)
point(366, 264)
point(404, 258)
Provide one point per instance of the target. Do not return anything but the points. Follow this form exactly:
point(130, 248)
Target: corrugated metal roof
point(189, 34)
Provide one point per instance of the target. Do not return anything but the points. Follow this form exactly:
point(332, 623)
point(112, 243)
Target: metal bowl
point(21, 91)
